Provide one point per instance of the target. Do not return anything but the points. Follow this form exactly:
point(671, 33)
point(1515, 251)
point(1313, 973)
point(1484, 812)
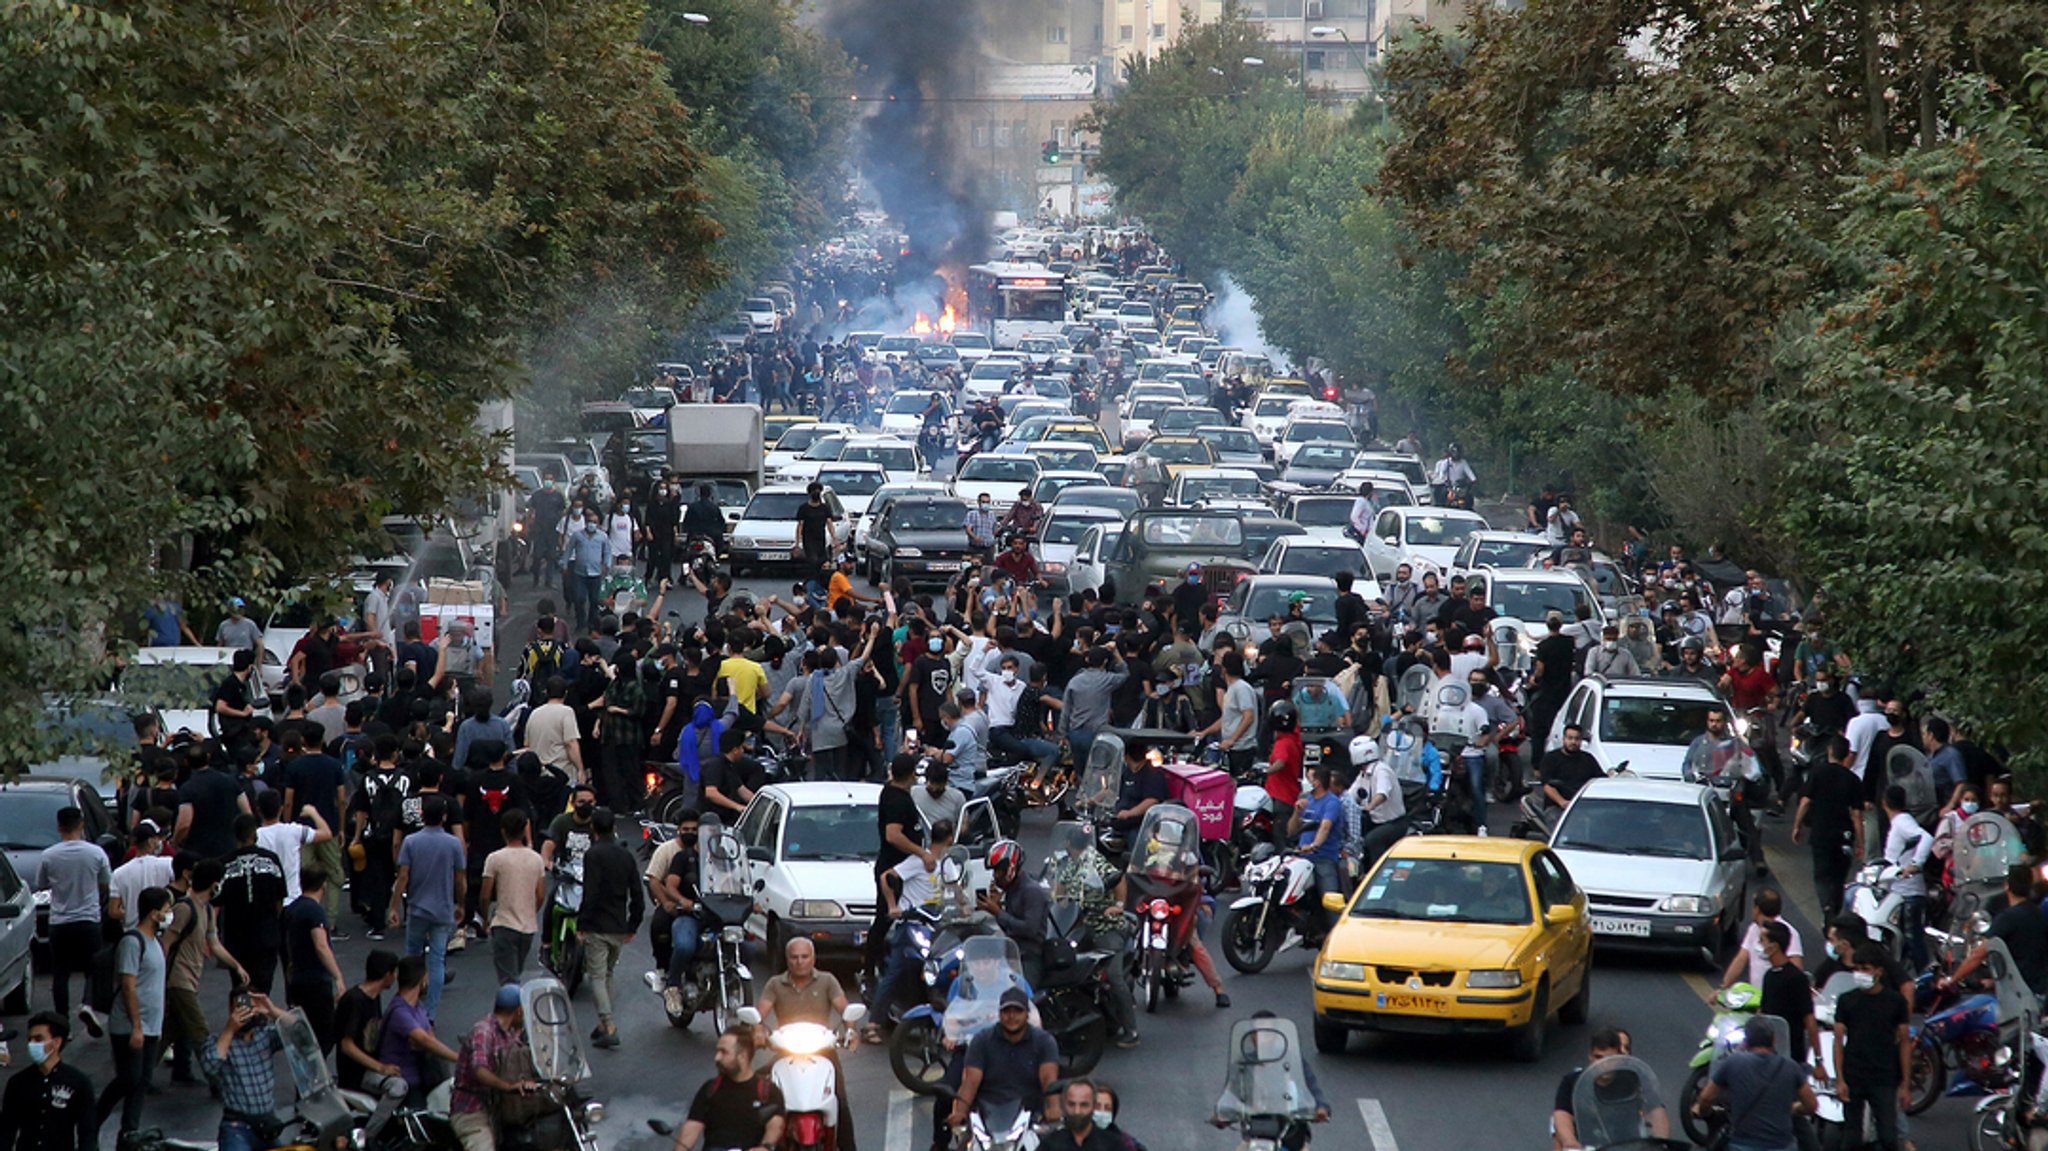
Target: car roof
point(853, 466)
point(821, 794)
point(1222, 473)
point(784, 489)
point(54, 784)
point(1478, 848)
point(1645, 790)
point(1645, 688)
point(1442, 513)
point(1495, 535)
point(1531, 575)
point(184, 654)
point(1084, 511)
point(878, 441)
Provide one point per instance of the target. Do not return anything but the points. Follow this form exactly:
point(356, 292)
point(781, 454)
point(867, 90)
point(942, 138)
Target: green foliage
point(266, 260)
point(1924, 499)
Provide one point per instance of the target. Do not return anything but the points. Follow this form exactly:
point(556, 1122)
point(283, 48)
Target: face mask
point(1078, 1123)
point(1009, 676)
point(1608, 645)
point(983, 505)
point(1865, 979)
point(583, 810)
point(37, 1052)
point(935, 645)
point(1103, 1119)
point(689, 840)
point(1968, 806)
point(1194, 579)
point(1825, 686)
point(1832, 953)
point(163, 921)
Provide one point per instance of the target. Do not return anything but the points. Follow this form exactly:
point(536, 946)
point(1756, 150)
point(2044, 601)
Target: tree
point(1919, 393)
point(265, 263)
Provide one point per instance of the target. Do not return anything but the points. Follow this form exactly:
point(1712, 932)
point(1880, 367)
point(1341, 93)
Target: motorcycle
point(934, 938)
point(1165, 883)
point(986, 966)
point(1000, 1127)
point(321, 1117)
point(1619, 1104)
point(1032, 786)
point(1985, 848)
point(805, 1076)
point(1275, 912)
point(718, 980)
point(1733, 1007)
point(562, 946)
point(1265, 1089)
point(1870, 894)
point(1966, 1047)
point(518, 550)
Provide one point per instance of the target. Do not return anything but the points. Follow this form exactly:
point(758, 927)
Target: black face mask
point(583, 810)
point(688, 839)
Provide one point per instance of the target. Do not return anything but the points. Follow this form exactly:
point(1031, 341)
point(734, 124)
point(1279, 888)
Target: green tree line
point(1761, 276)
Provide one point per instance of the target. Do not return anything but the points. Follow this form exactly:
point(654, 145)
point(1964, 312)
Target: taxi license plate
point(1415, 1004)
point(945, 565)
point(1612, 925)
point(773, 557)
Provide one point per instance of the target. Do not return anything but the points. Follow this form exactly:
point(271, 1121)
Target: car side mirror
point(1733, 853)
point(1333, 901)
point(760, 854)
point(1562, 914)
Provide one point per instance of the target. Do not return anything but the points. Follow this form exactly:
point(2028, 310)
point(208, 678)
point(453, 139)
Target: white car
point(897, 349)
point(1137, 417)
point(904, 413)
point(997, 476)
point(1088, 570)
point(1298, 433)
point(987, 380)
point(1661, 864)
point(1153, 390)
point(1325, 519)
point(1497, 549)
point(1528, 595)
point(1059, 535)
point(1418, 536)
point(1040, 349)
point(1301, 555)
point(766, 533)
point(804, 468)
point(1408, 466)
point(1052, 482)
point(1228, 489)
point(761, 314)
point(810, 854)
point(973, 346)
point(179, 682)
point(1645, 723)
point(899, 457)
point(855, 484)
point(1266, 416)
point(795, 442)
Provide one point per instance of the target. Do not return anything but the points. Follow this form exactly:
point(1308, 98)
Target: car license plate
point(945, 565)
point(1419, 1004)
point(1610, 925)
point(774, 557)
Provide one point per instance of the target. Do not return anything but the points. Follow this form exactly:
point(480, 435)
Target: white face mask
point(1009, 675)
point(163, 921)
point(1865, 979)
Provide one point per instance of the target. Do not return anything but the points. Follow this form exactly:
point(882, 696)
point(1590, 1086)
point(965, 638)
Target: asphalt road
point(1386, 1093)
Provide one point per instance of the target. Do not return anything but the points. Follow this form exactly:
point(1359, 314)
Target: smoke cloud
point(1233, 316)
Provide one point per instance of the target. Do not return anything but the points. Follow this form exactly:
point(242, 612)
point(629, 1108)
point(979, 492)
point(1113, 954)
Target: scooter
point(1275, 912)
point(1870, 895)
point(562, 948)
point(804, 1074)
point(1733, 1007)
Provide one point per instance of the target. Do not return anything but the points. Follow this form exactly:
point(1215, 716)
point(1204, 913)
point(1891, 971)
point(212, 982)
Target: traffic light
point(1052, 151)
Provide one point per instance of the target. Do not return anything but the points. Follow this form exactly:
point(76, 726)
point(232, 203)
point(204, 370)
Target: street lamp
point(1322, 31)
point(696, 18)
point(1252, 62)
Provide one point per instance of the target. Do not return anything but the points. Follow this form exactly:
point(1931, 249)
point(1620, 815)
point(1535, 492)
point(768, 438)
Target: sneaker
point(336, 934)
point(606, 1040)
point(672, 1000)
point(94, 1025)
point(1222, 1001)
point(1127, 1039)
point(375, 933)
point(653, 981)
point(457, 942)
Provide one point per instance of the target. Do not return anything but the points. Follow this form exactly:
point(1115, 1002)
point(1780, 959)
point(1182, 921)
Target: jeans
point(1913, 924)
point(584, 598)
point(237, 1134)
point(131, 1074)
point(1475, 775)
point(425, 937)
point(72, 947)
point(1081, 739)
point(1883, 1101)
point(1330, 878)
point(600, 957)
point(1006, 741)
point(509, 950)
point(892, 736)
point(899, 976)
point(1123, 1007)
point(682, 947)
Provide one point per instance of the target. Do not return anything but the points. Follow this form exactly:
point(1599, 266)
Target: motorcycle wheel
point(1247, 948)
point(565, 960)
point(1148, 988)
point(726, 1013)
point(668, 805)
point(1929, 1075)
point(1697, 1129)
point(918, 1056)
point(1081, 1050)
point(682, 1019)
point(1507, 782)
point(1988, 1132)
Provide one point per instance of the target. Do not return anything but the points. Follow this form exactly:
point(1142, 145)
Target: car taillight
point(653, 781)
point(1329, 393)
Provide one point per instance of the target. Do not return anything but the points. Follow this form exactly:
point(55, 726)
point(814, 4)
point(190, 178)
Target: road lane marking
point(902, 1117)
point(1701, 986)
point(1375, 1118)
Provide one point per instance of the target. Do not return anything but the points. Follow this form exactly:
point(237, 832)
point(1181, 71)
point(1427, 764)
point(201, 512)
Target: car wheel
point(17, 1001)
point(776, 946)
point(1581, 1006)
point(1529, 1041)
point(1331, 1038)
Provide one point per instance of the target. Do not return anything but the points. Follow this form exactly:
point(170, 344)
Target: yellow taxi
point(1179, 453)
point(773, 426)
point(1288, 386)
point(1457, 935)
point(1080, 432)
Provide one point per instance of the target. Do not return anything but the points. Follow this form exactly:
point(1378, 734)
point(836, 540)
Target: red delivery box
point(1206, 791)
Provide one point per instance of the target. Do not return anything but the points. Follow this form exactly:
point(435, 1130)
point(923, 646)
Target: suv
point(1645, 723)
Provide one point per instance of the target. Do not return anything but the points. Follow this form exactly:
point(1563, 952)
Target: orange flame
point(922, 326)
point(948, 320)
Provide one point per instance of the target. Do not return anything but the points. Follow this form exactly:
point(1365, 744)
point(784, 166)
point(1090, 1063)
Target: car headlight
point(1341, 972)
point(744, 542)
point(1053, 568)
point(1686, 904)
point(1494, 979)
point(815, 909)
point(911, 552)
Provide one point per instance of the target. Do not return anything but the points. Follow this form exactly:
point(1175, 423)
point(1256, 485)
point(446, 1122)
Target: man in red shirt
point(1018, 563)
point(1284, 764)
point(1753, 691)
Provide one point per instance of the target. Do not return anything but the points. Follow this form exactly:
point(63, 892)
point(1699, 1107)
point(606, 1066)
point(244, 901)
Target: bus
point(1010, 301)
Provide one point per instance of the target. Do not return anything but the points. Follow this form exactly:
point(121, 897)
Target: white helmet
point(1364, 750)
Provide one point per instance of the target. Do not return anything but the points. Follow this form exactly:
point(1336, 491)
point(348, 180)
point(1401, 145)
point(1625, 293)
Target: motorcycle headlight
point(815, 909)
point(1341, 972)
point(1493, 979)
point(1686, 905)
point(593, 1112)
point(734, 934)
point(1742, 726)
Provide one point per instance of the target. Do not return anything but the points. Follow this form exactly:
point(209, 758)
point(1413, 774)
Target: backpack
point(106, 972)
point(386, 793)
point(543, 660)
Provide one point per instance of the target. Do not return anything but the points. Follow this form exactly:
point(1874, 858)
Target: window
point(1159, 31)
point(1020, 131)
point(1055, 33)
point(1314, 60)
point(1059, 132)
point(1002, 136)
point(1553, 882)
point(1123, 33)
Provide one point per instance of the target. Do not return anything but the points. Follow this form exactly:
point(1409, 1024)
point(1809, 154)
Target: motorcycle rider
point(702, 518)
point(1024, 908)
point(477, 1082)
point(1296, 1135)
point(739, 1108)
point(1717, 755)
point(1080, 873)
point(1078, 1128)
point(1561, 774)
point(1316, 823)
point(1765, 1089)
point(1023, 517)
point(1449, 472)
point(1010, 1064)
point(1381, 804)
point(804, 994)
point(675, 917)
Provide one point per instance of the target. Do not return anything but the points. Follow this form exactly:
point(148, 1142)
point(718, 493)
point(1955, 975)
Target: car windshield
point(1067, 529)
point(1506, 553)
point(1670, 722)
point(1179, 451)
point(1319, 432)
point(1013, 469)
point(172, 684)
point(1445, 891)
point(1268, 598)
point(1102, 496)
point(938, 352)
point(649, 398)
point(775, 506)
point(853, 483)
point(912, 403)
point(1148, 409)
point(929, 517)
point(1193, 531)
point(728, 493)
point(1078, 434)
point(891, 457)
point(993, 370)
point(1320, 561)
point(1051, 486)
point(1532, 601)
point(973, 340)
point(1219, 488)
point(1440, 531)
point(1184, 419)
point(1323, 513)
point(897, 344)
point(1067, 457)
point(1323, 456)
point(1231, 440)
point(1260, 532)
point(828, 448)
point(829, 834)
point(1273, 406)
point(28, 819)
point(803, 436)
point(1633, 827)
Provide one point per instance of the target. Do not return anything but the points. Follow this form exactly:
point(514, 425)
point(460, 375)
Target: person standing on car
point(613, 903)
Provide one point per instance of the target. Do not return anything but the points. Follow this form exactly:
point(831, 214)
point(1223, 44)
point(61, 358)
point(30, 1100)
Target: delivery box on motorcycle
point(1208, 792)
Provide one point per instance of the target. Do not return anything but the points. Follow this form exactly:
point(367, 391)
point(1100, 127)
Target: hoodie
point(698, 741)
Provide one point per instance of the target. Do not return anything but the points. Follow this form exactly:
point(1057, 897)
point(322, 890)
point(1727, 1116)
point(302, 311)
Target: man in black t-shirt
point(899, 836)
point(737, 1108)
point(1786, 992)
point(1831, 811)
point(250, 898)
point(1564, 771)
point(2023, 927)
point(931, 683)
point(730, 780)
point(1872, 1046)
point(1605, 1043)
point(207, 806)
point(360, 1008)
point(814, 520)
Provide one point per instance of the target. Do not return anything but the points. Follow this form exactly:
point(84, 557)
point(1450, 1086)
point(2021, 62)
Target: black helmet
point(1282, 716)
point(1455, 448)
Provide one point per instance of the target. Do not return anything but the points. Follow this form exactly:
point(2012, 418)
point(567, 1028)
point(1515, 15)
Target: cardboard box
point(481, 618)
point(457, 591)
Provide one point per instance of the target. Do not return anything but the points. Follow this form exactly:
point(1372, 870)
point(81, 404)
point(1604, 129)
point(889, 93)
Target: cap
point(1194, 569)
point(1474, 642)
point(1295, 597)
point(147, 829)
point(508, 997)
point(237, 601)
point(1014, 997)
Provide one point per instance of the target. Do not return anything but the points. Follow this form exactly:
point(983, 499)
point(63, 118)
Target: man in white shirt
point(1750, 963)
point(1862, 732)
point(288, 840)
point(149, 868)
point(1364, 510)
point(1906, 847)
point(1559, 522)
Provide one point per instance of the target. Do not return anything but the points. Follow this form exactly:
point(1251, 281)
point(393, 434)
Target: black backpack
point(106, 972)
point(543, 660)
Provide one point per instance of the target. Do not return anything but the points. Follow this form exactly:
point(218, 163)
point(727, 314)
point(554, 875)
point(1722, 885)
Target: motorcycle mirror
point(751, 1016)
point(1333, 901)
point(854, 1014)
